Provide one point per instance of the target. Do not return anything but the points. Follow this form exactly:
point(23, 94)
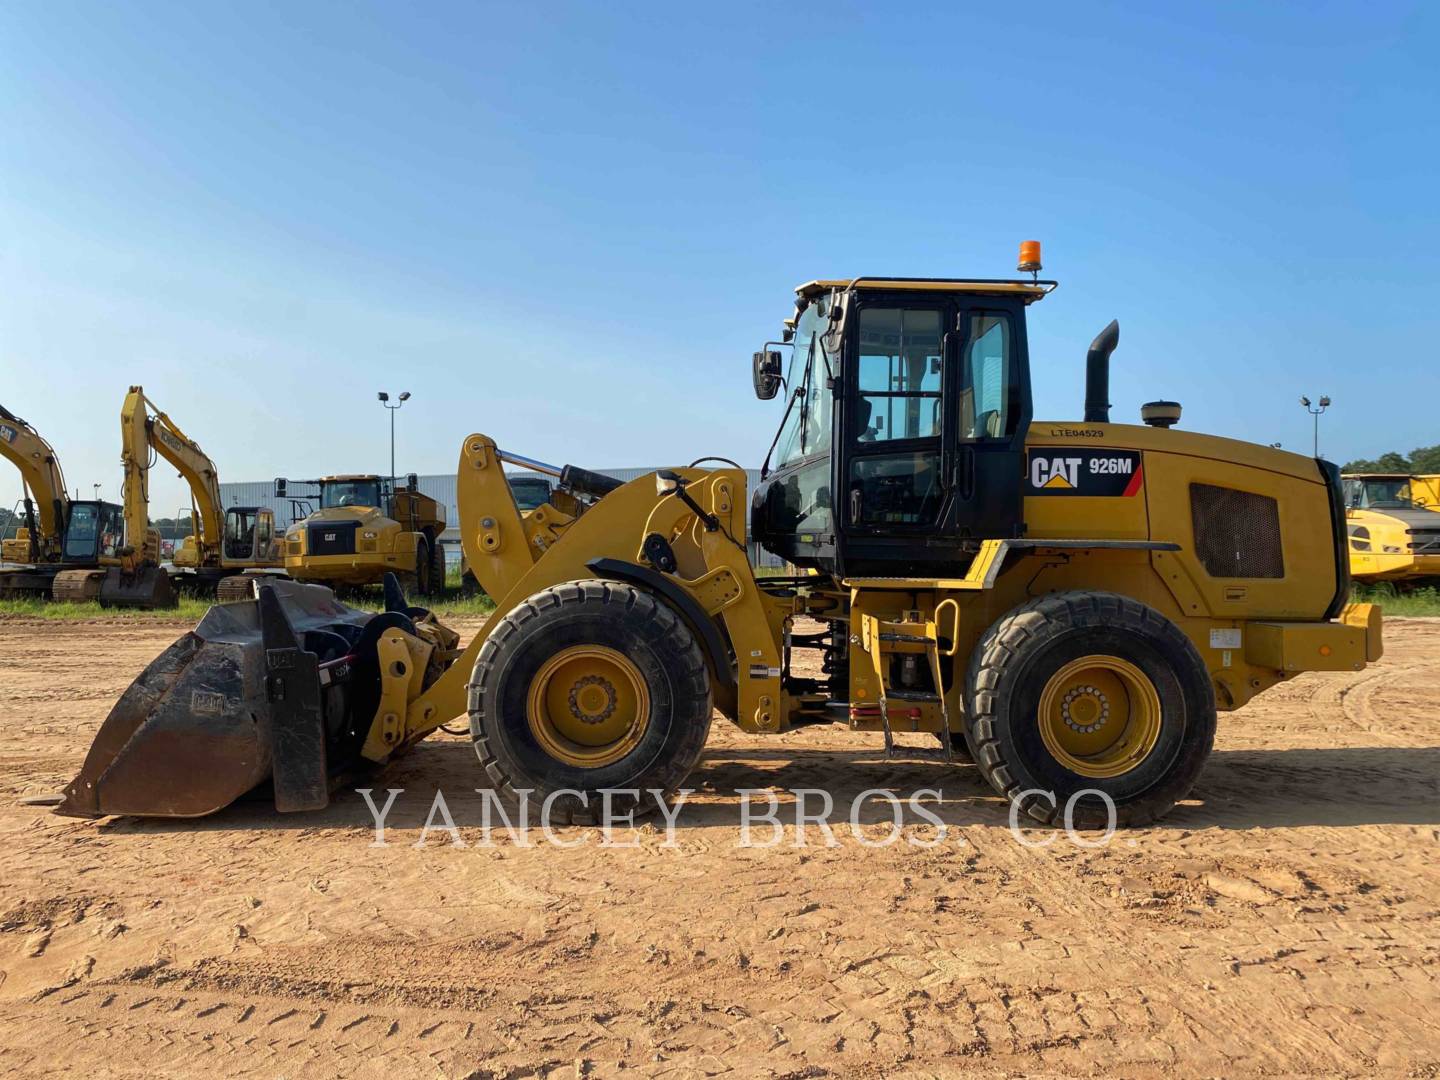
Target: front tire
point(1089, 691)
point(585, 686)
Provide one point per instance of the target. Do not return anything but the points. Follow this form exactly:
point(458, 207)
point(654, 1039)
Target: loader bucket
point(261, 690)
point(148, 587)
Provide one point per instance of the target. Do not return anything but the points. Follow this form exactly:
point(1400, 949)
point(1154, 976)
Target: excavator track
point(77, 586)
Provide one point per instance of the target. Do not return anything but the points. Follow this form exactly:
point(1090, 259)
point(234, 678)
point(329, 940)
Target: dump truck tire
point(589, 686)
point(437, 568)
point(413, 581)
point(1078, 692)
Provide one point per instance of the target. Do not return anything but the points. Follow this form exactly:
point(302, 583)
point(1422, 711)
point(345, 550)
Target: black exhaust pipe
point(1097, 374)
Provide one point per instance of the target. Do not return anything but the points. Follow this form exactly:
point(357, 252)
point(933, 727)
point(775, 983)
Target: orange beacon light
point(1029, 256)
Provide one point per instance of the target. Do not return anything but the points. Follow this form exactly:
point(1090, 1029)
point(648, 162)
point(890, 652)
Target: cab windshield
point(82, 529)
point(336, 493)
point(239, 533)
point(529, 493)
point(1393, 494)
point(806, 428)
point(92, 530)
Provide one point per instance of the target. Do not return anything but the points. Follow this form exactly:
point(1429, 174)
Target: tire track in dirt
point(1281, 922)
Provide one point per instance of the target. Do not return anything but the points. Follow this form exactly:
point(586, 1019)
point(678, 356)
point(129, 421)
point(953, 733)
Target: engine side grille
point(332, 538)
point(1424, 541)
point(1237, 533)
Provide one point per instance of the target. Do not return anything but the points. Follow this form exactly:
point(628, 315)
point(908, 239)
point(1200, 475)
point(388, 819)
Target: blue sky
point(569, 226)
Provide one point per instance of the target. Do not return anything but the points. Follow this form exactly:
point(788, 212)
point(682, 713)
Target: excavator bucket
point(274, 692)
point(148, 587)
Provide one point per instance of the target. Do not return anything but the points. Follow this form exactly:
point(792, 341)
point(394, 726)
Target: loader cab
point(902, 441)
point(93, 531)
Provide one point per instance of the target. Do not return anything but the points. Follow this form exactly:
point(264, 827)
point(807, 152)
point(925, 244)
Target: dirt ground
point(1282, 922)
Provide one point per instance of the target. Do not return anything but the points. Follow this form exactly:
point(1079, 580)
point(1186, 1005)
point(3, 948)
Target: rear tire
point(437, 568)
point(1089, 690)
point(417, 581)
point(606, 663)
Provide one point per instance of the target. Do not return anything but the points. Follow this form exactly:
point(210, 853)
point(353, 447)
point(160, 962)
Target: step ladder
point(883, 639)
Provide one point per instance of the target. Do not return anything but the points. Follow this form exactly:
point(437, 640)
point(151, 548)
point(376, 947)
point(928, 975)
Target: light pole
point(392, 410)
point(1315, 411)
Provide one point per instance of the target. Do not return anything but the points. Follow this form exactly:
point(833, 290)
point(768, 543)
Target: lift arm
point(43, 480)
point(141, 431)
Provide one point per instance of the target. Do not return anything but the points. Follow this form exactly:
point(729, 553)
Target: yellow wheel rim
point(588, 706)
point(1099, 716)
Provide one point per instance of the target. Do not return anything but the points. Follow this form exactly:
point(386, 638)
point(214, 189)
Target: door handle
point(855, 505)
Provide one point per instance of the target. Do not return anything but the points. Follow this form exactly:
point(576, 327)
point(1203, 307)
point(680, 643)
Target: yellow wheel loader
point(226, 546)
point(1074, 600)
point(365, 527)
point(62, 550)
point(1394, 531)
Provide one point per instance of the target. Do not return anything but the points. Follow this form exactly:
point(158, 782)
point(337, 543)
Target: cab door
point(985, 468)
point(894, 476)
point(266, 550)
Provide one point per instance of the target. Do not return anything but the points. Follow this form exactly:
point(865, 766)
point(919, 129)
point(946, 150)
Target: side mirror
point(412, 481)
point(280, 487)
point(766, 374)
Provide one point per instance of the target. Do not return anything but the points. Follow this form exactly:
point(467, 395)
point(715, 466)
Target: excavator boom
point(44, 483)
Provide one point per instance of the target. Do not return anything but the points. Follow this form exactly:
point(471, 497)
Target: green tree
point(1425, 459)
point(1390, 462)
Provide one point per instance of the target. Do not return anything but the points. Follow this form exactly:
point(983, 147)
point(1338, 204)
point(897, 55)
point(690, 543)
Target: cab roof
point(350, 478)
point(1028, 291)
point(1376, 476)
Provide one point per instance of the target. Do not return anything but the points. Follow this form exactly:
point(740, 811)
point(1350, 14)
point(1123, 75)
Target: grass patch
point(191, 609)
point(1424, 601)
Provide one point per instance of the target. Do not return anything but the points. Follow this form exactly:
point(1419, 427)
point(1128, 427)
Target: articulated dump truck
point(1066, 604)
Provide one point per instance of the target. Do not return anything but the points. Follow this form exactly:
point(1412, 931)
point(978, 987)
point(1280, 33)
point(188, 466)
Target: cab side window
point(899, 375)
point(989, 394)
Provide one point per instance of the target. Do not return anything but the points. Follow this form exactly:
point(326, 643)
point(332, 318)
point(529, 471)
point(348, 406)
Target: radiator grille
point(332, 539)
point(1237, 533)
point(1424, 541)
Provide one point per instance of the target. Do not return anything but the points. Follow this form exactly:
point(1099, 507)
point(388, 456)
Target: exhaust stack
point(1097, 374)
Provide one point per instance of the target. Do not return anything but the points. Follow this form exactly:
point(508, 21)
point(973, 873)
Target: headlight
point(370, 534)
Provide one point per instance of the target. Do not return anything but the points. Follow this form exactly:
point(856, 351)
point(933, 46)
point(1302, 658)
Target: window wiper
point(805, 408)
point(765, 468)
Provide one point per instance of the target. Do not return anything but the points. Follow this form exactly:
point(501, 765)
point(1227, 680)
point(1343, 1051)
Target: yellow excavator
point(1394, 529)
point(62, 549)
point(228, 547)
point(1066, 603)
point(225, 547)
